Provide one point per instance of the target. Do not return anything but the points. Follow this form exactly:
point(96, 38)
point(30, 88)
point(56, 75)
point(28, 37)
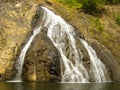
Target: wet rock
point(78, 33)
point(42, 60)
point(37, 19)
point(108, 59)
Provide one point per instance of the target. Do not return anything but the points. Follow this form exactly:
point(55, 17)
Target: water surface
point(58, 86)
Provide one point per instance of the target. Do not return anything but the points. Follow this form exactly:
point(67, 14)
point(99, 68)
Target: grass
point(98, 24)
point(88, 6)
point(70, 3)
point(92, 7)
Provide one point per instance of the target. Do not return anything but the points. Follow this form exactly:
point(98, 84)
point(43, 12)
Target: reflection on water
point(58, 86)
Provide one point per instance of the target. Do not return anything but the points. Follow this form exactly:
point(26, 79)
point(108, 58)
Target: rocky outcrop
point(42, 61)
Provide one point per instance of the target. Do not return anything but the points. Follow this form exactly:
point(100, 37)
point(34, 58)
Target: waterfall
point(63, 38)
point(20, 61)
point(98, 67)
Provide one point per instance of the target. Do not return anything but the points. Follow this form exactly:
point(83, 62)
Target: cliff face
point(14, 29)
point(17, 22)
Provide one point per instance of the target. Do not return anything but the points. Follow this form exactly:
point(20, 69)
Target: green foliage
point(90, 7)
point(93, 7)
point(70, 3)
point(117, 20)
point(95, 1)
point(98, 24)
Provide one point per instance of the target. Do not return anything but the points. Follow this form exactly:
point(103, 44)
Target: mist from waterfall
point(63, 38)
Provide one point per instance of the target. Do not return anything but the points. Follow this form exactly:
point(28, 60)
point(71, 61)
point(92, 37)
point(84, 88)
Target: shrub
point(117, 20)
point(90, 7)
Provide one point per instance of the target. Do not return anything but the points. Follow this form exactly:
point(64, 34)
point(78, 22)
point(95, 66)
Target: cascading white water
point(98, 67)
point(20, 61)
point(63, 38)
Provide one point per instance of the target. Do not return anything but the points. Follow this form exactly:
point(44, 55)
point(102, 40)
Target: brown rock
point(14, 29)
point(42, 61)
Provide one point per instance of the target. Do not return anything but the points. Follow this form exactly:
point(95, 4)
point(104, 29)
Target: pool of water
point(58, 86)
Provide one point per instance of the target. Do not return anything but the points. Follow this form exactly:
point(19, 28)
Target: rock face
point(42, 61)
point(108, 59)
point(14, 29)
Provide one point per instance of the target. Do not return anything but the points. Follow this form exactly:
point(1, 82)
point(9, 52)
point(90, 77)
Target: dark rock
point(108, 59)
point(42, 61)
point(9, 74)
point(37, 19)
point(78, 33)
point(48, 2)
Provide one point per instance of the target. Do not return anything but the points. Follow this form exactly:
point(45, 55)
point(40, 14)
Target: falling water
point(61, 34)
point(63, 38)
point(98, 67)
point(20, 61)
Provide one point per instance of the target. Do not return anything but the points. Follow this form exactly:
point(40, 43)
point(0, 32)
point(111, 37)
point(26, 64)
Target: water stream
point(20, 61)
point(63, 38)
point(98, 67)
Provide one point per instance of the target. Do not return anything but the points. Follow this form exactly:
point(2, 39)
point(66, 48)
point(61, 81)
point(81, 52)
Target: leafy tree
point(92, 7)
